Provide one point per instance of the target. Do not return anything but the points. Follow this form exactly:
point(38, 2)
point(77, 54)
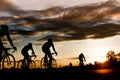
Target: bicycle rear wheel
point(19, 65)
point(43, 64)
point(8, 62)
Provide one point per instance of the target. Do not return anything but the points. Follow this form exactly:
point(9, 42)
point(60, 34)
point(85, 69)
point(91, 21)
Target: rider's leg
point(1, 55)
point(81, 63)
point(45, 59)
point(23, 62)
point(1, 50)
point(50, 59)
point(28, 60)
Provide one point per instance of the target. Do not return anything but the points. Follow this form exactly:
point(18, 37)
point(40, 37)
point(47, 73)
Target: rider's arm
point(84, 58)
point(10, 40)
point(33, 52)
point(53, 47)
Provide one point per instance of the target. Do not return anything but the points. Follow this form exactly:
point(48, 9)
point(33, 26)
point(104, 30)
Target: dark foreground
point(60, 74)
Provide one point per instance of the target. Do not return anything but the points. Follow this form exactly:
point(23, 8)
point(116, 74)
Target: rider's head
point(49, 40)
point(4, 27)
point(81, 53)
point(29, 44)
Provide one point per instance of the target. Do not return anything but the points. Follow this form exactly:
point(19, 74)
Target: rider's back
point(4, 30)
point(25, 49)
point(1, 33)
point(81, 57)
point(46, 46)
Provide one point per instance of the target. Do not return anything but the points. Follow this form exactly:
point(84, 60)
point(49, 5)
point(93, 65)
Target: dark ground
point(60, 74)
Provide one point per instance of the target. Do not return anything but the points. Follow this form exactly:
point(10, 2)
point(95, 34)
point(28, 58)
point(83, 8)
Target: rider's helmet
point(4, 27)
point(49, 40)
point(29, 44)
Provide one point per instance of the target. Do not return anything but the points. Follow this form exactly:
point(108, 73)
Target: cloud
point(94, 21)
point(8, 6)
point(6, 42)
point(17, 40)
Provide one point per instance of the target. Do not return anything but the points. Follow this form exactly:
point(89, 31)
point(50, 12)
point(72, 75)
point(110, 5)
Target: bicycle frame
point(26, 63)
point(6, 59)
point(44, 62)
point(5, 53)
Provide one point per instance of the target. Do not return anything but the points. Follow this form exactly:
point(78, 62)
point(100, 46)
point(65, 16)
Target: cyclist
point(46, 49)
point(81, 59)
point(4, 32)
point(25, 52)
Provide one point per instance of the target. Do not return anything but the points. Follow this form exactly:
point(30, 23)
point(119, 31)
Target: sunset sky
point(90, 27)
point(44, 4)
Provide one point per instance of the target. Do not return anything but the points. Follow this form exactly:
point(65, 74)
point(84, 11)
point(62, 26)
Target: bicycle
point(7, 59)
point(27, 64)
point(44, 63)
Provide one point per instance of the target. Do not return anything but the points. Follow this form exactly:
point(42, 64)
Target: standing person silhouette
point(81, 59)
point(46, 49)
point(4, 32)
point(25, 52)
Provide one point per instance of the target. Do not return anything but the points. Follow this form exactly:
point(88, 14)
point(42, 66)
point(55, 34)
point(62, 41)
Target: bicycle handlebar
point(33, 56)
point(54, 53)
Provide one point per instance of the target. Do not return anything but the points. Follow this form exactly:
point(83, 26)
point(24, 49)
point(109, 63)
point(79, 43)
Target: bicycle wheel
point(8, 62)
point(32, 64)
point(54, 63)
point(19, 65)
point(43, 64)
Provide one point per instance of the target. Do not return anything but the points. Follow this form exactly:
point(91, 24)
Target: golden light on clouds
point(8, 0)
point(115, 16)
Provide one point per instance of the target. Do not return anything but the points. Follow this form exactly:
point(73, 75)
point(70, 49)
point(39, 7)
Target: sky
point(90, 27)
point(44, 4)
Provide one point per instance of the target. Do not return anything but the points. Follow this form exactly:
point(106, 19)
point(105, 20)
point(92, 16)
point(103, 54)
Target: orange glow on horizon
point(103, 71)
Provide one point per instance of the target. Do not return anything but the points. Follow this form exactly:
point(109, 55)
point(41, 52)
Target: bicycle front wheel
point(8, 62)
point(32, 64)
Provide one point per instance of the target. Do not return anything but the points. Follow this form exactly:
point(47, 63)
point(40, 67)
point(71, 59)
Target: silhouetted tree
point(112, 59)
point(111, 55)
point(118, 56)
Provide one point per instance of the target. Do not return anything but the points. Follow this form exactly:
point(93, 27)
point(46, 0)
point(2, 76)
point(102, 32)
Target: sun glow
point(94, 50)
point(99, 54)
point(96, 55)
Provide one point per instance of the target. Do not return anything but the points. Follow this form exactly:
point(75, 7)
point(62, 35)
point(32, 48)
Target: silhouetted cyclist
point(4, 32)
point(25, 52)
point(46, 49)
point(81, 59)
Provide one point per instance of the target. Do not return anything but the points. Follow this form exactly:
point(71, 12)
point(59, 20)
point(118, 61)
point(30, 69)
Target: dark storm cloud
point(6, 42)
point(73, 23)
point(8, 6)
point(81, 22)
